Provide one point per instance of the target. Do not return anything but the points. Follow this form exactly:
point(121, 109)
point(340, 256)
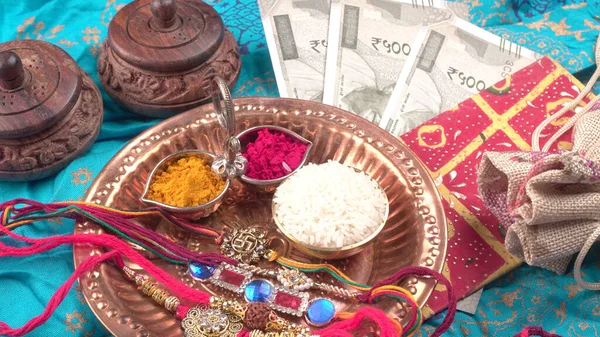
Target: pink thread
point(420, 271)
point(109, 241)
point(243, 333)
point(341, 328)
point(41, 245)
point(56, 299)
point(121, 223)
point(535, 331)
point(182, 311)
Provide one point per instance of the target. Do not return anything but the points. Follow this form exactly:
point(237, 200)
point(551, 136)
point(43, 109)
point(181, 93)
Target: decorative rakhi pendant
point(202, 321)
point(231, 278)
point(240, 281)
point(246, 245)
point(294, 279)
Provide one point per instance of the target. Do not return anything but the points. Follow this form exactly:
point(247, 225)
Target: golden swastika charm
point(246, 245)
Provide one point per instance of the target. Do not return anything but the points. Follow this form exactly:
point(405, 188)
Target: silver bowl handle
point(231, 163)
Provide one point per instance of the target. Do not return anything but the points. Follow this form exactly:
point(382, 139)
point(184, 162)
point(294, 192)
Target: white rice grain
point(330, 205)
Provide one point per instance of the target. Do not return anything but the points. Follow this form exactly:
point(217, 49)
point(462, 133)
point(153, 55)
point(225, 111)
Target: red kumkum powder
point(269, 151)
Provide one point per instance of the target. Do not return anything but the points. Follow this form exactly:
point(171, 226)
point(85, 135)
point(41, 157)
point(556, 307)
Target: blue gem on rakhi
point(200, 271)
point(320, 312)
point(259, 291)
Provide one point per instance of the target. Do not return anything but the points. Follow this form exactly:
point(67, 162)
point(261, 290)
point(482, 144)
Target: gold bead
point(159, 296)
point(171, 303)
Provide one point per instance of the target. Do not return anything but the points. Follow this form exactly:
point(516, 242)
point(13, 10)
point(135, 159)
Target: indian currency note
point(296, 33)
point(369, 41)
point(454, 61)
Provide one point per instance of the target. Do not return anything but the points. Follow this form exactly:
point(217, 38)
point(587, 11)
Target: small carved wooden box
point(160, 55)
point(50, 110)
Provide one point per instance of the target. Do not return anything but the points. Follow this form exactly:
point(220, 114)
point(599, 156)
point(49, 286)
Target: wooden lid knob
point(164, 12)
point(39, 85)
point(11, 70)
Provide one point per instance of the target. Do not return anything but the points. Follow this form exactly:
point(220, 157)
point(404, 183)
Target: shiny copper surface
point(415, 233)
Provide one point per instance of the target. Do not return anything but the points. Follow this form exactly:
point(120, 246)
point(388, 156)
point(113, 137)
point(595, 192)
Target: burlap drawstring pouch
point(549, 203)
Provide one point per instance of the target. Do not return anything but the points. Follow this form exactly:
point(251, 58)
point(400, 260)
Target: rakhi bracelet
point(318, 311)
point(256, 315)
point(119, 249)
point(135, 234)
point(221, 317)
point(192, 318)
point(37, 208)
point(100, 213)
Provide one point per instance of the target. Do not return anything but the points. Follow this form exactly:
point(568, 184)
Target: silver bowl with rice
point(330, 217)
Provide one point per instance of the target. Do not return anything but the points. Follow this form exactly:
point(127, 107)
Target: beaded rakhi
point(215, 316)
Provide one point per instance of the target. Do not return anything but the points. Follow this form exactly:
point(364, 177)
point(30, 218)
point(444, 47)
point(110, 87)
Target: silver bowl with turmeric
point(185, 185)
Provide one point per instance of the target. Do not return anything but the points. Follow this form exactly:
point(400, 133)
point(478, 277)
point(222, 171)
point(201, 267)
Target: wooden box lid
point(38, 87)
point(167, 35)
point(50, 110)
point(159, 55)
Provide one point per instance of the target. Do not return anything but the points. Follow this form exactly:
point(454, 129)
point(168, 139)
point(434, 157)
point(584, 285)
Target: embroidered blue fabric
point(564, 29)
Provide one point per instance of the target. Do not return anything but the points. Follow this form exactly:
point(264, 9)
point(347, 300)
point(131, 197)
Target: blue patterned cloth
point(565, 30)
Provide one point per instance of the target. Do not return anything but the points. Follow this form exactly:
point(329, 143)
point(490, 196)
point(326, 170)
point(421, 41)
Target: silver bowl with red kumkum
point(270, 185)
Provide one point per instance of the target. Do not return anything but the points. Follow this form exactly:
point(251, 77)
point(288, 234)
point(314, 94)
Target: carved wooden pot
point(160, 55)
point(50, 110)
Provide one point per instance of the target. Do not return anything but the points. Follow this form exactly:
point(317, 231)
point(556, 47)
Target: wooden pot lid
point(50, 110)
point(166, 35)
point(39, 84)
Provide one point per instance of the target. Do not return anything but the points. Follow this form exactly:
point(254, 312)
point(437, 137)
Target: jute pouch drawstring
point(549, 203)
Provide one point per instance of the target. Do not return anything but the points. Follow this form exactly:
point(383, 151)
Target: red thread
point(122, 223)
point(56, 299)
point(531, 331)
point(420, 271)
point(182, 311)
point(109, 241)
point(342, 328)
point(413, 319)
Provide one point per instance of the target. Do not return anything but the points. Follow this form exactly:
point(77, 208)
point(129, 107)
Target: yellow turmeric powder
point(187, 182)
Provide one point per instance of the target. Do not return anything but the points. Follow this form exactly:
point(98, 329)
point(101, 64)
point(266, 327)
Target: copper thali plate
point(415, 233)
